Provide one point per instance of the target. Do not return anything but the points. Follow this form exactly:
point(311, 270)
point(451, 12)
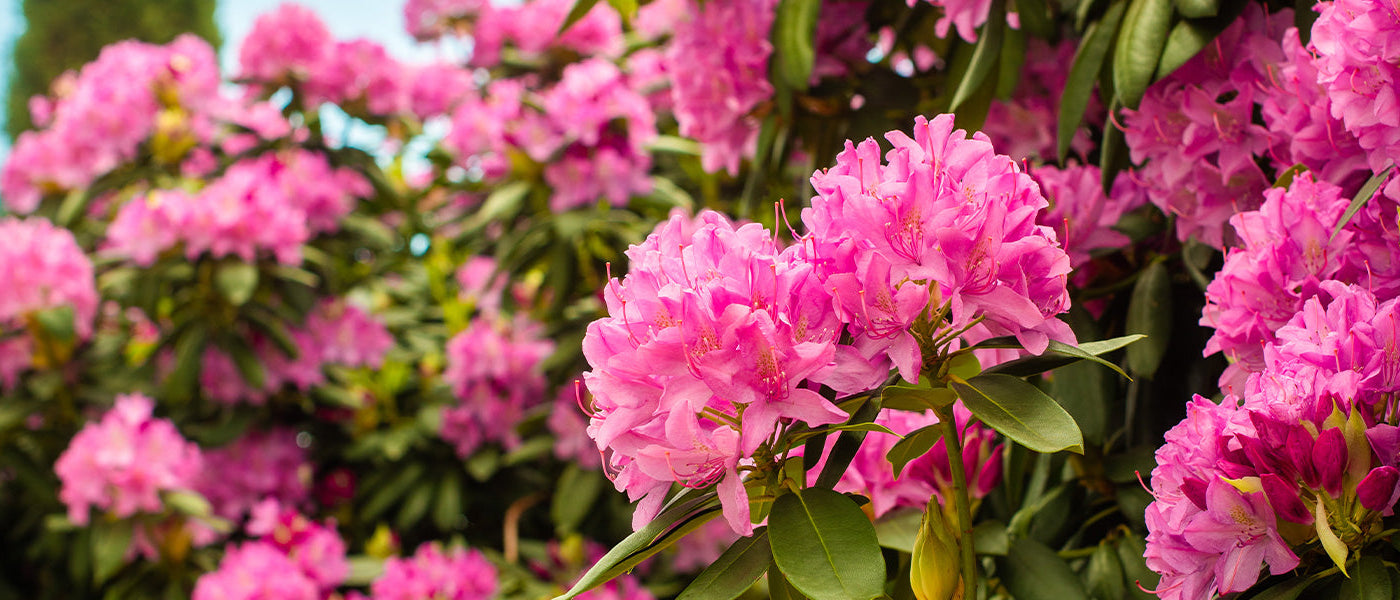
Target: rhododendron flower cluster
point(123, 462)
point(1081, 213)
point(1023, 126)
point(103, 114)
point(1308, 443)
point(41, 268)
point(292, 557)
point(456, 574)
point(718, 61)
point(493, 367)
point(702, 358)
point(928, 475)
point(259, 466)
point(1355, 41)
point(274, 204)
point(942, 220)
point(1288, 250)
point(967, 16)
point(532, 29)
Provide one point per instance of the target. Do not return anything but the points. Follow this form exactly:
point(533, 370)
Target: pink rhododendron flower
point(1355, 42)
point(124, 461)
point(718, 61)
point(431, 573)
point(493, 367)
point(568, 421)
point(288, 43)
point(943, 217)
point(1081, 213)
point(430, 19)
point(256, 571)
point(1024, 125)
point(966, 15)
point(533, 26)
point(704, 353)
point(314, 548)
point(347, 335)
point(42, 267)
point(260, 465)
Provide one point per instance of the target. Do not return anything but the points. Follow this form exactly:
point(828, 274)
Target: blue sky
point(380, 20)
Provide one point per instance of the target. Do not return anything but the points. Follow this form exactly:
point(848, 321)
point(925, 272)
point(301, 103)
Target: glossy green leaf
point(1146, 25)
point(826, 546)
point(914, 445)
point(363, 570)
point(673, 519)
point(1059, 354)
point(1370, 580)
point(1149, 313)
point(794, 35)
point(1035, 572)
point(187, 503)
point(576, 13)
point(915, 398)
point(674, 145)
point(1105, 574)
point(1131, 550)
point(189, 354)
point(1288, 590)
point(237, 281)
point(1021, 412)
point(734, 571)
point(57, 323)
point(984, 56)
point(415, 505)
point(847, 443)
point(1195, 9)
point(990, 538)
point(1114, 156)
point(1083, 73)
point(447, 507)
point(1362, 197)
point(899, 528)
point(1035, 17)
point(1013, 57)
point(1285, 178)
point(779, 588)
point(507, 199)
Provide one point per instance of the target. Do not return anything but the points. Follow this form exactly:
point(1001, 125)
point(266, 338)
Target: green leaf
point(187, 503)
point(645, 542)
point(189, 354)
point(826, 546)
point(779, 588)
point(899, 528)
point(1335, 547)
point(1288, 590)
point(1035, 572)
point(415, 505)
point(1139, 48)
point(625, 8)
point(1186, 39)
point(1084, 73)
point(57, 323)
point(250, 367)
point(734, 571)
point(1362, 197)
point(372, 231)
point(1105, 574)
point(915, 398)
point(1195, 9)
point(1113, 150)
point(573, 499)
point(674, 145)
point(914, 445)
point(1021, 412)
point(1013, 57)
point(847, 443)
point(577, 13)
point(110, 542)
point(1150, 314)
point(506, 200)
point(1035, 18)
point(863, 427)
point(1060, 354)
point(363, 570)
point(990, 538)
point(1369, 580)
point(1131, 550)
point(794, 32)
point(237, 281)
point(984, 56)
point(447, 508)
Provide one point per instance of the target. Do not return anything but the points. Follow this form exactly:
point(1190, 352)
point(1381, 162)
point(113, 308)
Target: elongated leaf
point(1013, 57)
point(1369, 580)
point(505, 200)
point(675, 145)
point(899, 528)
point(1113, 151)
point(1131, 549)
point(734, 571)
point(1149, 313)
point(574, 498)
point(638, 543)
point(847, 443)
point(1285, 178)
point(447, 507)
point(779, 588)
point(1035, 18)
point(1105, 574)
point(1288, 590)
point(984, 56)
point(794, 35)
point(1139, 48)
point(826, 546)
point(189, 354)
point(1035, 572)
point(1195, 9)
point(576, 14)
point(1059, 354)
point(990, 538)
point(1021, 412)
point(110, 542)
point(914, 445)
point(1362, 197)
point(1186, 39)
point(1083, 73)
point(915, 398)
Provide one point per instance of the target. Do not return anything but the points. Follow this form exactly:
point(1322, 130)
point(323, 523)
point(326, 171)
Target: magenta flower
point(314, 548)
point(255, 571)
point(1242, 528)
point(42, 267)
point(493, 367)
point(431, 573)
point(258, 466)
point(1355, 41)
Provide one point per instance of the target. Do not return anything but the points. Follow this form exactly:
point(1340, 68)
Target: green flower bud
point(933, 573)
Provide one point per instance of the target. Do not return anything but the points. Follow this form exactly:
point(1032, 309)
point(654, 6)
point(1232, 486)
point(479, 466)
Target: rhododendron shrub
point(819, 298)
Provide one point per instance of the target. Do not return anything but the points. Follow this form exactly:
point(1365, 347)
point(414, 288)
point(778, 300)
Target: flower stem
point(961, 502)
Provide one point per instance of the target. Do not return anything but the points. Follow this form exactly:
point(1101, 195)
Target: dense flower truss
point(718, 62)
point(101, 116)
point(431, 573)
point(494, 369)
point(255, 571)
point(1304, 462)
point(1288, 250)
point(41, 268)
point(1296, 104)
point(942, 219)
point(701, 360)
point(258, 466)
point(1355, 41)
point(124, 461)
point(1081, 213)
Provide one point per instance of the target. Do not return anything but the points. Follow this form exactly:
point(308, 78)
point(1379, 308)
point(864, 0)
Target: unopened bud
point(933, 571)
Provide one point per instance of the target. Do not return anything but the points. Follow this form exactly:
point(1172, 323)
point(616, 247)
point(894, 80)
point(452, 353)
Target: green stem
point(953, 439)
